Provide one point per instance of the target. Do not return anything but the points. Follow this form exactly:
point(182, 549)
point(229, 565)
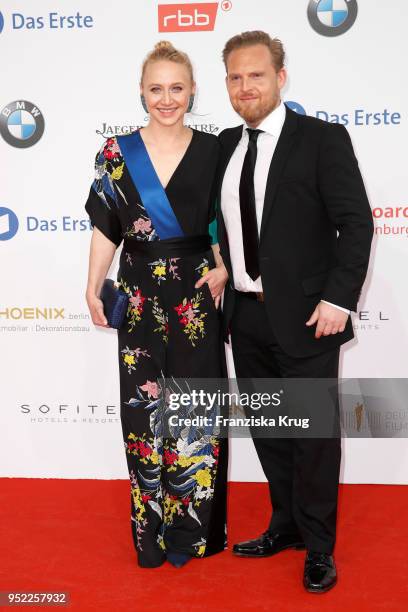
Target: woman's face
point(167, 88)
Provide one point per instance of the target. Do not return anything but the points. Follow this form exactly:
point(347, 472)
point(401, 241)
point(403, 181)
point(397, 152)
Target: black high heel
point(178, 559)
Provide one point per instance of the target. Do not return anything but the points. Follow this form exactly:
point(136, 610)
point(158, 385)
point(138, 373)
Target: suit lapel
point(282, 150)
point(228, 147)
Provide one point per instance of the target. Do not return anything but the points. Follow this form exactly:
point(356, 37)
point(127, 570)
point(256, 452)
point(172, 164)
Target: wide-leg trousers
point(171, 335)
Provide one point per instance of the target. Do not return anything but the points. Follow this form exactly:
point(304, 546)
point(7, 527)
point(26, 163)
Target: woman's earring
point(190, 104)
point(143, 101)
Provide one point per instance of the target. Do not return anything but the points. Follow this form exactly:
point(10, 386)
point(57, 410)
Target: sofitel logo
point(58, 413)
point(71, 409)
point(368, 320)
point(187, 17)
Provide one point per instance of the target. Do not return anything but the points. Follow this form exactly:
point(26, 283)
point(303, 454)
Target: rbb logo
point(187, 17)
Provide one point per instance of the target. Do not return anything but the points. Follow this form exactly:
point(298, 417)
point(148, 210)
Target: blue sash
point(150, 189)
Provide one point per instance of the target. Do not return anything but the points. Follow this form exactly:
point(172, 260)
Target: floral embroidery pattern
point(200, 547)
point(195, 472)
point(131, 357)
point(136, 304)
point(159, 269)
point(148, 495)
point(190, 317)
point(147, 395)
point(198, 488)
point(152, 389)
point(160, 541)
point(143, 448)
point(142, 225)
point(189, 457)
point(142, 228)
point(139, 508)
point(203, 268)
point(111, 151)
point(161, 318)
point(173, 268)
point(109, 167)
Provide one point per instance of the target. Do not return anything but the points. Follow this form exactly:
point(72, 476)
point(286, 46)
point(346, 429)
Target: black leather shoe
point(268, 544)
point(320, 572)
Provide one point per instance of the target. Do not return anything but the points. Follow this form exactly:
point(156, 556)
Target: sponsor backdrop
point(70, 75)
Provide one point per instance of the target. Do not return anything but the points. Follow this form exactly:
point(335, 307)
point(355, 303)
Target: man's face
point(253, 83)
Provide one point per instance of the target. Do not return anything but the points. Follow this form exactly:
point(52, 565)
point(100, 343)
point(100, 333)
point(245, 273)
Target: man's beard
point(258, 113)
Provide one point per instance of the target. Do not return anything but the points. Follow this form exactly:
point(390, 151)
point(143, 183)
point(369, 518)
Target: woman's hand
point(216, 279)
point(95, 306)
point(101, 254)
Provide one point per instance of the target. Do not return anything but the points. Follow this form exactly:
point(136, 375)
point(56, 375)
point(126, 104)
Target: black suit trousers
point(303, 473)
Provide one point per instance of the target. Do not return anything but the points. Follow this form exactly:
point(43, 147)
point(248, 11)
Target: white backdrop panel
point(59, 377)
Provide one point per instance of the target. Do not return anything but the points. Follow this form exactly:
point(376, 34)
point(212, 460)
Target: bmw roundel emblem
point(332, 17)
point(21, 124)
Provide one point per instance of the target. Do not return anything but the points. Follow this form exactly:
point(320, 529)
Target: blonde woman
point(153, 191)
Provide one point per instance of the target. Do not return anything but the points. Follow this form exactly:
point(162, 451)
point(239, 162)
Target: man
point(295, 230)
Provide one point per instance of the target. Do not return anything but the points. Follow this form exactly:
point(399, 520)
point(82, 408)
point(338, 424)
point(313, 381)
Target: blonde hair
point(164, 50)
point(256, 37)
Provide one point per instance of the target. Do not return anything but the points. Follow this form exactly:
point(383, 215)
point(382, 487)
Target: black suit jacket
point(316, 230)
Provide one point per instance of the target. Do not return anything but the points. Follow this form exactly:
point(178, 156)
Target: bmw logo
point(332, 17)
point(295, 106)
point(8, 223)
point(21, 124)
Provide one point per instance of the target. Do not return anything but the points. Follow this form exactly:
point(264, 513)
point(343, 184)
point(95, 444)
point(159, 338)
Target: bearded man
point(295, 230)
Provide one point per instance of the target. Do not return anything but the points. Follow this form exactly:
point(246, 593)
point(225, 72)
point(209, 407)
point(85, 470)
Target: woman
point(153, 189)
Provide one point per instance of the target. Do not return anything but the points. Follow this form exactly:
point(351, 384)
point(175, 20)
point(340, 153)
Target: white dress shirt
point(230, 204)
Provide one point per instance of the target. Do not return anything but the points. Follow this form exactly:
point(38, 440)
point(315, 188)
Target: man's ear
point(282, 76)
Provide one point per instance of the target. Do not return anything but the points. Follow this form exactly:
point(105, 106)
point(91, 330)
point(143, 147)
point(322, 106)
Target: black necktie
point(247, 205)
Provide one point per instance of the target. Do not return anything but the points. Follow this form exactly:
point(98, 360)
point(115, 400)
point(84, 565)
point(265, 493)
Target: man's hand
point(330, 320)
point(216, 279)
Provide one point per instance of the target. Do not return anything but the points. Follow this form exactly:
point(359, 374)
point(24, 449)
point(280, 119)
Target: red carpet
point(70, 535)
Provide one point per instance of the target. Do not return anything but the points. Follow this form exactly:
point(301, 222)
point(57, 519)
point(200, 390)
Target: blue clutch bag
point(115, 303)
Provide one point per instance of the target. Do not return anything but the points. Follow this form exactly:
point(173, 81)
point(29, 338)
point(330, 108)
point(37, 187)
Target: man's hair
point(256, 37)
